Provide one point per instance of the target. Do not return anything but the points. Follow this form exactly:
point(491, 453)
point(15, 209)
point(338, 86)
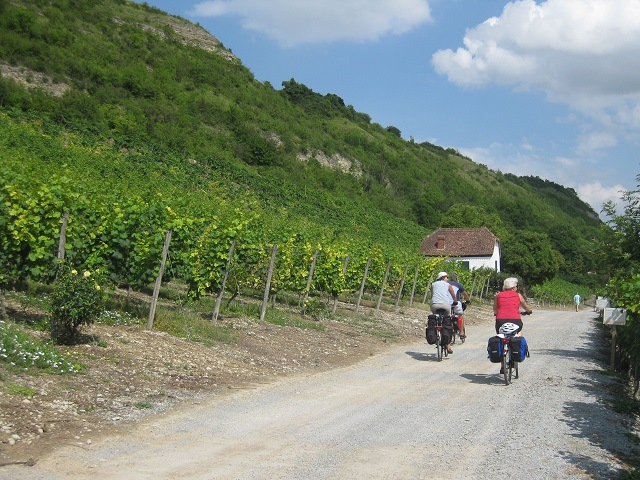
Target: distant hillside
point(123, 99)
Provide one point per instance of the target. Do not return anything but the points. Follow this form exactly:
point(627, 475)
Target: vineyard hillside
point(219, 230)
point(121, 98)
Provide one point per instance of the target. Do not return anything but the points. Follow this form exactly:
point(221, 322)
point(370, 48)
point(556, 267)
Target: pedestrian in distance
point(577, 299)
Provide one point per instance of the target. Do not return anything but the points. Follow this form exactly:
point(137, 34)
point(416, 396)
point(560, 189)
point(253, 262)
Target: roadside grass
point(289, 319)
point(373, 326)
point(19, 351)
point(179, 317)
point(13, 389)
point(192, 325)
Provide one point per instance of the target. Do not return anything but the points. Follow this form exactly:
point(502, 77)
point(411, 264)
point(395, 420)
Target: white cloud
point(311, 21)
point(581, 53)
point(596, 140)
point(595, 194)
point(585, 53)
point(528, 160)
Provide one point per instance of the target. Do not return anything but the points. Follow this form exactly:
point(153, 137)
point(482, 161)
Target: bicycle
point(509, 365)
point(455, 320)
point(440, 321)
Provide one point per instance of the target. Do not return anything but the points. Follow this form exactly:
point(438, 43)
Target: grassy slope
point(149, 112)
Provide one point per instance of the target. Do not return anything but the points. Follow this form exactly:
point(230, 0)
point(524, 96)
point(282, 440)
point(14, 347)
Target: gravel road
point(397, 415)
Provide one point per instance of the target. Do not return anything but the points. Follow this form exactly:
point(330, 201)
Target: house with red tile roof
point(473, 247)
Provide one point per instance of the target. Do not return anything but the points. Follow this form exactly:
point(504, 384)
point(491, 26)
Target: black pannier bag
point(431, 329)
point(519, 348)
point(445, 334)
point(494, 349)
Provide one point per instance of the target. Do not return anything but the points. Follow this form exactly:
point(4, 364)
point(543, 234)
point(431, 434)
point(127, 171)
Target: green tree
point(462, 215)
point(394, 130)
point(530, 255)
point(624, 287)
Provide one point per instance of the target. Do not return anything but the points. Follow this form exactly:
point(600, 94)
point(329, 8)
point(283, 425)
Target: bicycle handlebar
point(526, 312)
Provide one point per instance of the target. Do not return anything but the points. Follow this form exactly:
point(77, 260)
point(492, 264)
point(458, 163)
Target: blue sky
point(547, 88)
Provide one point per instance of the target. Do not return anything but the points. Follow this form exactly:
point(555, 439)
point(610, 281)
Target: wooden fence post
point(309, 278)
point(216, 308)
point(426, 290)
point(63, 236)
point(156, 287)
point(473, 286)
point(344, 272)
point(265, 299)
point(384, 283)
point(413, 288)
point(364, 279)
point(404, 276)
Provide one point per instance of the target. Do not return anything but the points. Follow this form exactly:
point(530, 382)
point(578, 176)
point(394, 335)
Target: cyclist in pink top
point(507, 304)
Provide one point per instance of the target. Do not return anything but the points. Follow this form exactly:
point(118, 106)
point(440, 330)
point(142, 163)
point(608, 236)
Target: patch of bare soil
point(133, 373)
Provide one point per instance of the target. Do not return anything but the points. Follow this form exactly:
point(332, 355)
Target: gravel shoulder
point(132, 374)
point(396, 414)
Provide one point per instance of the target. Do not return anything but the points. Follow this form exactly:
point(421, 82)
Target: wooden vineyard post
point(265, 299)
point(63, 236)
point(404, 276)
point(384, 284)
point(473, 286)
point(62, 242)
point(485, 291)
point(426, 291)
point(413, 287)
point(309, 279)
point(344, 272)
point(156, 287)
point(364, 279)
point(216, 308)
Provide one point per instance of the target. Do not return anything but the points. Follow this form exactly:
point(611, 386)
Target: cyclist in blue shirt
point(443, 296)
point(460, 294)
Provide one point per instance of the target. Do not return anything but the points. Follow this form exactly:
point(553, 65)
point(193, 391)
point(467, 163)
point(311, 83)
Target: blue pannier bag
point(519, 348)
point(494, 349)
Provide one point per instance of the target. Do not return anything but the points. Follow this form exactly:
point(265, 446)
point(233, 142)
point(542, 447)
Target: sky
point(544, 88)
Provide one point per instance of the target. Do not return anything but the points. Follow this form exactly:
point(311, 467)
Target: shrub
point(77, 299)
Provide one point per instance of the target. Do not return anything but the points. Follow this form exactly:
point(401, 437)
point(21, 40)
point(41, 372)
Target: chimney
point(440, 242)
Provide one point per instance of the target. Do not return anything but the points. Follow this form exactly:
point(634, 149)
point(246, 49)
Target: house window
point(464, 266)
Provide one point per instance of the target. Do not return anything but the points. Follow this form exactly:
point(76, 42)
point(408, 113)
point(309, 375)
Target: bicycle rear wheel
point(505, 370)
point(510, 375)
point(439, 348)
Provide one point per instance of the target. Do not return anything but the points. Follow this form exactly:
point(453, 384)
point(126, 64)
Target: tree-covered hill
point(114, 100)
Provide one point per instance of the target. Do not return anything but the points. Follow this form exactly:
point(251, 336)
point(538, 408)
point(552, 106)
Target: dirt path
point(397, 415)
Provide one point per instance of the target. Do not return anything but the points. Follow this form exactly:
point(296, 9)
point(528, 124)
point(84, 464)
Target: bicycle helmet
point(508, 328)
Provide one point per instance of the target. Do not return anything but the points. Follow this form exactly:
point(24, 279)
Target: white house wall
point(492, 262)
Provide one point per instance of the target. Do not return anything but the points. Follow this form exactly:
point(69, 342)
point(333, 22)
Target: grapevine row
point(125, 237)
